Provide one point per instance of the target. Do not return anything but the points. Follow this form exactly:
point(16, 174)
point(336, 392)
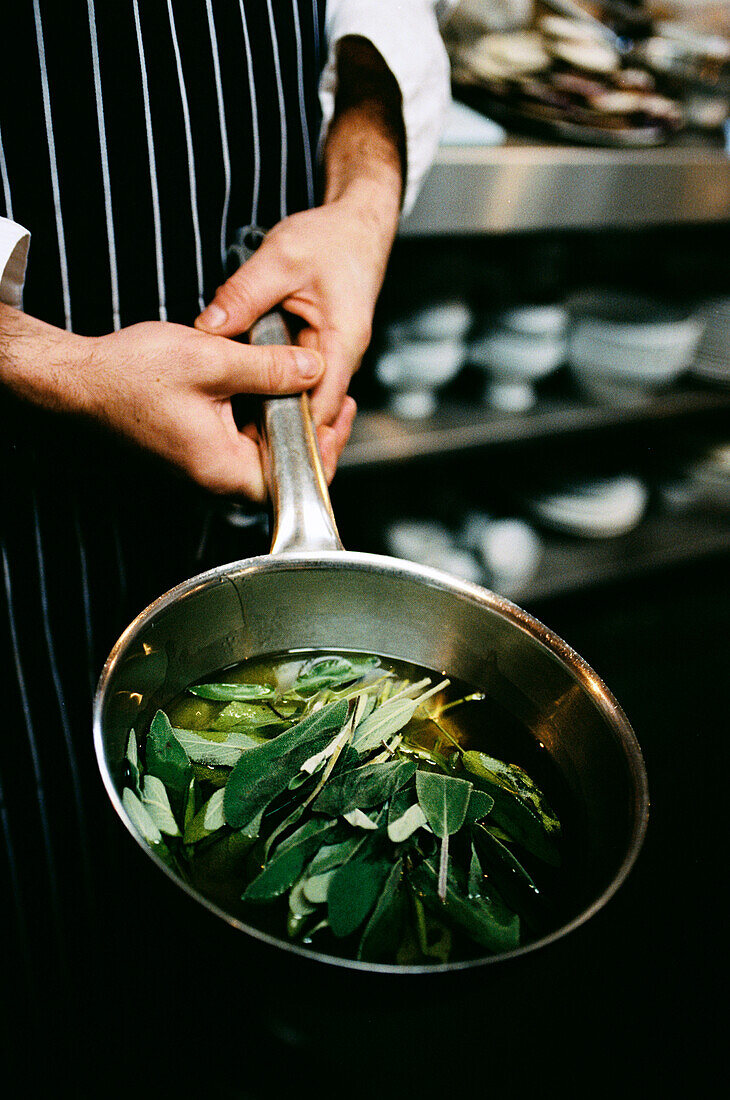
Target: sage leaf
point(518, 817)
point(432, 935)
point(518, 781)
point(217, 751)
point(316, 887)
point(385, 720)
point(332, 855)
point(299, 909)
point(444, 800)
point(352, 893)
point(140, 817)
point(359, 820)
point(251, 717)
point(330, 672)
point(480, 804)
point(263, 773)
point(228, 693)
point(131, 759)
point(485, 920)
point(286, 865)
point(209, 819)
point(166, 758)
point(157, 804)
point(384, 928)
point(363, 787)
point(406, 825)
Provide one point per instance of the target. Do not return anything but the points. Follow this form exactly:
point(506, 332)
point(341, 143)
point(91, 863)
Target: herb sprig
point(315, 799)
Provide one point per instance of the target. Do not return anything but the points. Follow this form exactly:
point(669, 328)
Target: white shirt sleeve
point(406, 35)
point(14, 241)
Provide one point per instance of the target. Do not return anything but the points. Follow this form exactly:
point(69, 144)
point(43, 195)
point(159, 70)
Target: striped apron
point(136, 136)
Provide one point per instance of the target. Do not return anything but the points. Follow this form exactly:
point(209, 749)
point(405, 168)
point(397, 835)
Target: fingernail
point(308, 364)
point(213, 316)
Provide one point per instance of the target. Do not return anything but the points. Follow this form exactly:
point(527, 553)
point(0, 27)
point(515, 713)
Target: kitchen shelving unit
point(512, 191)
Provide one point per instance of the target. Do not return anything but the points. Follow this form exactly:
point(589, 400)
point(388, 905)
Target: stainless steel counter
point(523, 185)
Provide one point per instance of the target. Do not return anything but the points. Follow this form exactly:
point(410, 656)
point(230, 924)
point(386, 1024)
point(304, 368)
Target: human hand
point(166, 387)
point(324, 266)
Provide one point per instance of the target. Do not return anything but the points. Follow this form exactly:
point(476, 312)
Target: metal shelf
point(523, 185)
point(661, 540)
point(380, 438)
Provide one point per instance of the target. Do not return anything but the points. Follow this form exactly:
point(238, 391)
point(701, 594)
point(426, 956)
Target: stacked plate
point(623, 348)
point(601, 508)
point(712, 358)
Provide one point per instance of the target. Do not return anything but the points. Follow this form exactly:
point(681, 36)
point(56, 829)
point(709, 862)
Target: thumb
point(258, 285)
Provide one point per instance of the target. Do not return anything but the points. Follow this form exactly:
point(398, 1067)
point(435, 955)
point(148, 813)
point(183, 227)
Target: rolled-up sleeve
point(406, 35)
point(14, 241)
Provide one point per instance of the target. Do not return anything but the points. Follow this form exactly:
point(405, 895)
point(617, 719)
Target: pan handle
point(303, 516)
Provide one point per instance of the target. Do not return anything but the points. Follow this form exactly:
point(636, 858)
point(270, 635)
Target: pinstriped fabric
point(159, 262)
point(150, 131)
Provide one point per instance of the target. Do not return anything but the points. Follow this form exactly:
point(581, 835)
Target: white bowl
point(514, 362)
point(535, 320)
point(516, 356)
point(438, 322)
point(430, 543)
point(415, 371)
point(602, 508)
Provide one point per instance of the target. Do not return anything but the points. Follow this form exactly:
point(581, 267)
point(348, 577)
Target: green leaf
point(251, 717)
point(166, 758)
point(157, 804)
point(518, 817)
point(402, 827)
point(485, 920)
point(227, 693)
point(132, 761)
point(480, 804)
point(209, 819)
point(286, 865)
point(140, 817)
point(263, 773)
point(216, 750)
point(316, 886)
point(384, 929)
point(363, 787)
point(333, 855)
point(331, 672)
point(444, 800)
point(353, 891)
point(387, 719)
point(514, 882)
point(518, 781)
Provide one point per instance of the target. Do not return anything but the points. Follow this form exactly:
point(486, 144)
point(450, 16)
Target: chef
point(136, 138)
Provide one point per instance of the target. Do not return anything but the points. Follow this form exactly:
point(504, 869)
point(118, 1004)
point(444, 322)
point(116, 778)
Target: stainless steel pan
point(311, 593)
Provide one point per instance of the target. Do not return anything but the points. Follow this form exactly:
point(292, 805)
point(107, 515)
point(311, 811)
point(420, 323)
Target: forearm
point(41, 363)
point(364, 158)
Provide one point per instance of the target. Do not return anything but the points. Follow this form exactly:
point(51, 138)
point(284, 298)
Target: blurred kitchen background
point(545, 405)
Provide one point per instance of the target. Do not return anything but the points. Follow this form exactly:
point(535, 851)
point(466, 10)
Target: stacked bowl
point(624, 348)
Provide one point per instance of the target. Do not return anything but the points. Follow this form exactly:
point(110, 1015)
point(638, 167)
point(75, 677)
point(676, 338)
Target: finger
point(226, 462)
point(333, 438)
point(263, 369)
point(260, 284)
point(329, 393)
